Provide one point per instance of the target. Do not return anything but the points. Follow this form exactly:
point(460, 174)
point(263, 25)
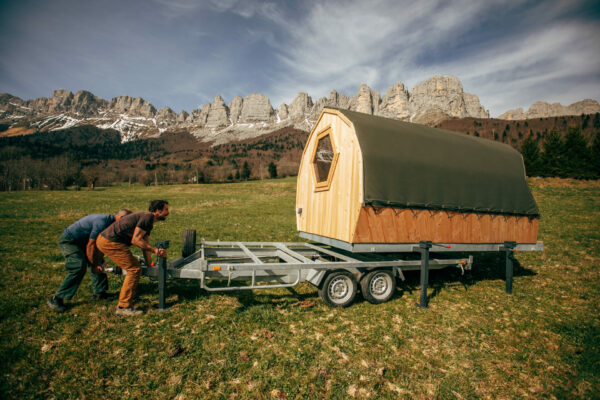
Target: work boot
point(56, 303)
point(127, 311)
point(103, 296)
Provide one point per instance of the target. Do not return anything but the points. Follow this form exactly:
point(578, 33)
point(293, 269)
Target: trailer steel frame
point(268, 265)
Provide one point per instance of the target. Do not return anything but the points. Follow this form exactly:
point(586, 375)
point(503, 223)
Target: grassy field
point(473, 342)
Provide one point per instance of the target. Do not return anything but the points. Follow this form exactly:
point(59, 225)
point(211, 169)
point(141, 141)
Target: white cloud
point(346, 45)
point(183, 52)
point(339, 45)
point(515, 74)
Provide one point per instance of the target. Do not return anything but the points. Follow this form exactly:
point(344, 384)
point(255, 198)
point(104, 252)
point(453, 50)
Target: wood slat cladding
point(389, 225)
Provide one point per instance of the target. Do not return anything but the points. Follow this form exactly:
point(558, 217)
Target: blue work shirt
point(88, 227)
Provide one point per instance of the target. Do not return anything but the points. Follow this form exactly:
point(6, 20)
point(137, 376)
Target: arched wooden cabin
point(367, 179)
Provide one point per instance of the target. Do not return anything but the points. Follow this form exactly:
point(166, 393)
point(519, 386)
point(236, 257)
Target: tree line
point(564, 156)
point(88, 156)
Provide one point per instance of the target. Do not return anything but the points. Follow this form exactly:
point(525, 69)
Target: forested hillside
point(89, 156)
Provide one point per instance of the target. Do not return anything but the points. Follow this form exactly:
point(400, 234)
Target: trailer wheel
point(338, 289)
point(189, 243)
point(378, 286)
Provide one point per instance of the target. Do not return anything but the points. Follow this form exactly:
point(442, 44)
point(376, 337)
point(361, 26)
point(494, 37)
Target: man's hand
point(161, 252)
point(97, 269)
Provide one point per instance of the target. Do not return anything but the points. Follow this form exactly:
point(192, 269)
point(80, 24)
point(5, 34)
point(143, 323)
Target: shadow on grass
point(486, 266)
point(185, 289)
point(250, 298)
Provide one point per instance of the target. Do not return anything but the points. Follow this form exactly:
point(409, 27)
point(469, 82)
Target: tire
point(189, 243)
point(339, 289)
point(378, 286)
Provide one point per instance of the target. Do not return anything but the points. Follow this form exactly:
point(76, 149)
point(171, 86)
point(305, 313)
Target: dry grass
point(18, 131)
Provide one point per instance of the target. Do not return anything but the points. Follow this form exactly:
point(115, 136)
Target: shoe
point(128, 311)
point(103, 296)
point(56, 303)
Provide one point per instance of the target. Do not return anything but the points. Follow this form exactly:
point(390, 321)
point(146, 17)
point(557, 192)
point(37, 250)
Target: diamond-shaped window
point(324, 160)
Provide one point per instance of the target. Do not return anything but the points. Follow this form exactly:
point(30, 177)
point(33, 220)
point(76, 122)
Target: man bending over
point(78, 245)
point(115, 241)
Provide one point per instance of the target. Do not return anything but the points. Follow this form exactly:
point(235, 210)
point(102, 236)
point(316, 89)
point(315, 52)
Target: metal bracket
point(162, 275)
point(423, 248)
point(509, 248)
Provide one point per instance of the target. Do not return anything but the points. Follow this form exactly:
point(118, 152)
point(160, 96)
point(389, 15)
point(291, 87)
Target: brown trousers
point(122, 256)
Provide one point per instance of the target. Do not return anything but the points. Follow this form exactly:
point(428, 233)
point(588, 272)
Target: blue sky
point(181, 53)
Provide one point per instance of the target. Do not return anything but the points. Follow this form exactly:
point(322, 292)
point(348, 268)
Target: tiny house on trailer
point(371, 184)
point(371, 190)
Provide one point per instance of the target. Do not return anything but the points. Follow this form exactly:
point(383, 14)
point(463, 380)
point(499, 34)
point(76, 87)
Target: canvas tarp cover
point(407, 165)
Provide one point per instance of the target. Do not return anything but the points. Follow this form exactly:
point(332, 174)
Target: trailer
point(337, 274)
point(377, 195)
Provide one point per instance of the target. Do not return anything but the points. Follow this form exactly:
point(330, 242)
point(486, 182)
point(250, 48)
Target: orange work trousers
point(122, 256)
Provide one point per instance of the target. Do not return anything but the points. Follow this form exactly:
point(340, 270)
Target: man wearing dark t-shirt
point(115, 240)
point(78, 245)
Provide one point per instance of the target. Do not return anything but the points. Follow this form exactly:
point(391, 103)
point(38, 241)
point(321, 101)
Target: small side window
point(324, 160)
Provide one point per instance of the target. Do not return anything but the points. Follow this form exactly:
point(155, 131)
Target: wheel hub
point(339, 288)
point(379, 285)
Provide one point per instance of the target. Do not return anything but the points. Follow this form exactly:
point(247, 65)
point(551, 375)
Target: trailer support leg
point(424, 247)
point(509, 249)
point(162, 275)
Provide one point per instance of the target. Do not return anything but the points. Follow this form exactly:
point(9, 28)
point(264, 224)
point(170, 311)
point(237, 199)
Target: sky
point(181, 53)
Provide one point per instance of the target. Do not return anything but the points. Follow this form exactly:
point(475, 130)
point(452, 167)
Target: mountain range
point(430, 102)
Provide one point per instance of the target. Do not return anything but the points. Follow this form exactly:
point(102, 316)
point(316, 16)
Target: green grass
point(473, 342)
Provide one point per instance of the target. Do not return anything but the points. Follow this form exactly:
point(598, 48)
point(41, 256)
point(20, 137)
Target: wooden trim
point(322, 186)
point(326, 184)
point(323, 112)
point(339, 114)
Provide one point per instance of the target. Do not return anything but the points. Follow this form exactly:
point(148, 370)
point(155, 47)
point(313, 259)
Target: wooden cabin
point(368, 179)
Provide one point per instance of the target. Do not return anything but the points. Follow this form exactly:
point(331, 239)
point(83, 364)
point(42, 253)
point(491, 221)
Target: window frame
point(326, 184)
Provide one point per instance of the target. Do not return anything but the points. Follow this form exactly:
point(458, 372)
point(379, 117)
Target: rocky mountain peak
point(429, 102)
point(335, 99)
point(441, 97)
point(394, 103)
point(474, 107)
point(256, 108)
point(366, 101)
point(182, 116)
point(541, 109)
point(301, 106)
point(132, 106)
point(218, 114)
point(166, 114)
point(339, 100)
point(60, 100)
point(85, 102)
point(283, 112)
point(235, 109)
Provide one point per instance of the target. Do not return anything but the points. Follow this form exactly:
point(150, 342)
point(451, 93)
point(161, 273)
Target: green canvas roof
point(408, 165)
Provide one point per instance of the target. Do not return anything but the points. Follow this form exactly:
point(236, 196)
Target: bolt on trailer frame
point(335, 271)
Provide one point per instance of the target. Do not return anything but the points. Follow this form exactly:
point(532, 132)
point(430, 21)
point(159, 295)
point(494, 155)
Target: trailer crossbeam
point(272, 265)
